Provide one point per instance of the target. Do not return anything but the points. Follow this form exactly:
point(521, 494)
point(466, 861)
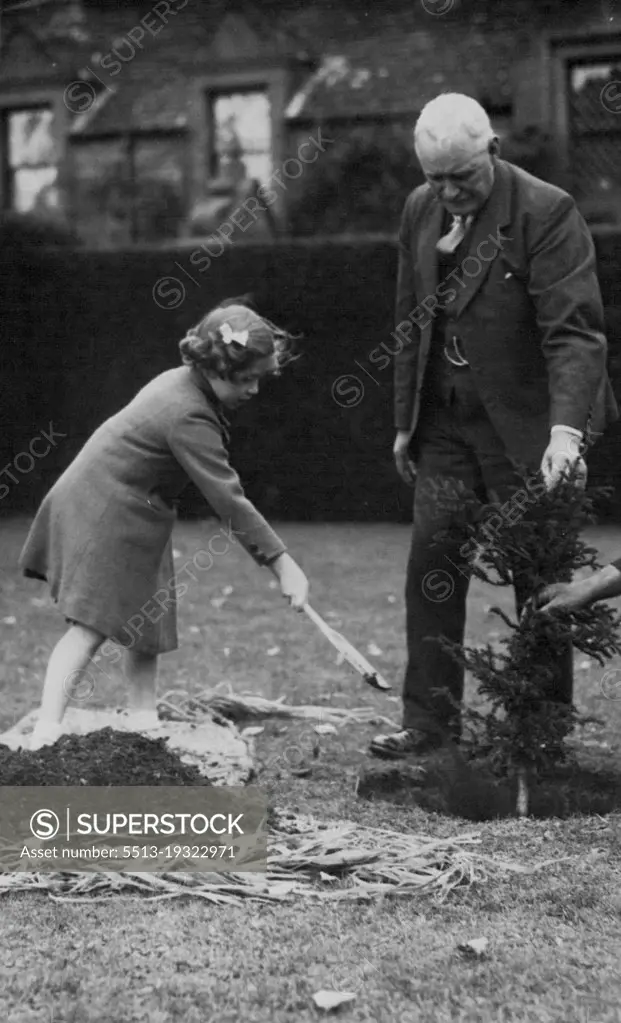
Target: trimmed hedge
point(82, 332)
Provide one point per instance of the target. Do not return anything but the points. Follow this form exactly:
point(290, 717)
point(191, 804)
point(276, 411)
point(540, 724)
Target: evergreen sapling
point(522, 731)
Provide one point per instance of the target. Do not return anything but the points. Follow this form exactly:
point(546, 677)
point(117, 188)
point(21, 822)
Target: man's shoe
point(408, 743)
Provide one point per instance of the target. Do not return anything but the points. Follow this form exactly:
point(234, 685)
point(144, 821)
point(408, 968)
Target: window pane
point(595, 166)
point(159, 188)
point(244, 118)
point(595, 137)
point(161, 159)
point(30, 138)
point(102, 197)
point(34, 188)
point(98, 161)
point(259, 166)
point(583, 75)
point(588, 108)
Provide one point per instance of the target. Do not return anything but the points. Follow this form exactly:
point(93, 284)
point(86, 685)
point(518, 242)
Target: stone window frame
point(20, 99)
point(562, 49)
point(275, 81)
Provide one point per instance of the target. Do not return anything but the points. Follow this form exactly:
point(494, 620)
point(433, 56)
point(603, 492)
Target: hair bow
point(228, 335)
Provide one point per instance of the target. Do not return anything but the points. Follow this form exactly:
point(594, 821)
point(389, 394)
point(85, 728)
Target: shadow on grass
point(452, 786)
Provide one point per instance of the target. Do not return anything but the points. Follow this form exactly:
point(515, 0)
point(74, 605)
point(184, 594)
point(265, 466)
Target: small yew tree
point(521, 732)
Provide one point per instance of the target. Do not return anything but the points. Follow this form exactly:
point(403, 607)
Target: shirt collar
point(214, 400)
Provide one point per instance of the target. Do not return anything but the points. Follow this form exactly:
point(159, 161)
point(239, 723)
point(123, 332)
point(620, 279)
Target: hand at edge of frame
point(561, 597)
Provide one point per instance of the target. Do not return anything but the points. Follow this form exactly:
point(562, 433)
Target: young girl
point(102, 536)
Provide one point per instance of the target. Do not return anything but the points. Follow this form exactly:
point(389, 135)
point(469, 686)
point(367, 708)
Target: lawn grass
point(554, 937)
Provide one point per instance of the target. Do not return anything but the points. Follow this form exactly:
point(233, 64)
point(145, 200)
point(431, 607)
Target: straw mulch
point(178, 705)
point(306, 859)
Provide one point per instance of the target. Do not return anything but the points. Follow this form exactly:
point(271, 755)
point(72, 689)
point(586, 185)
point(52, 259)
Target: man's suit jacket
point(525, 305)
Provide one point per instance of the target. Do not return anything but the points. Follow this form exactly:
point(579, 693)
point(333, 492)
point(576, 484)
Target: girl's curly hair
point(231, 338)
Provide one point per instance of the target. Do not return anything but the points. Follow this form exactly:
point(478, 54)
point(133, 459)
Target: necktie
point(455, 236)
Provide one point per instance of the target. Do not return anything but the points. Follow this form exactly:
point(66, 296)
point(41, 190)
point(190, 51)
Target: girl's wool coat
point(102, 536)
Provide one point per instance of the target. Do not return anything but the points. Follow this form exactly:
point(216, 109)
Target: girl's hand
point(293, 582)
point(562, 597)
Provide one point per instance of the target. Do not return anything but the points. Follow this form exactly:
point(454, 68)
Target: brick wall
point(363, 70)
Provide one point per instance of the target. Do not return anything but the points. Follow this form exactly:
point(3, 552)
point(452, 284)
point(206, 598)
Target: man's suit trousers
point(461, 466)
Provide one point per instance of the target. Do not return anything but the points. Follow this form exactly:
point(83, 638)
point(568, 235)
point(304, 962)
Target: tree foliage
point(521, 727)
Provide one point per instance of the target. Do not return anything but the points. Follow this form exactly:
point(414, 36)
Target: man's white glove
point(561, 454)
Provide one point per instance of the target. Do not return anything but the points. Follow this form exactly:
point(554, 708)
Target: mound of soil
point(106, 757)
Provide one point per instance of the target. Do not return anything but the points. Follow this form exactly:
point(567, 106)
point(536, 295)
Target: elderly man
point(500, 368)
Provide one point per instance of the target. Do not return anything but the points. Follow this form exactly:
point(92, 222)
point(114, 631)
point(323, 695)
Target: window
point(594, 124)
point(30, 169)
point(129, 188)
point(241, 134)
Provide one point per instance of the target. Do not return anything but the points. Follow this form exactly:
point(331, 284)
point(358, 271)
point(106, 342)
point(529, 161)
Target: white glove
point(561, 454)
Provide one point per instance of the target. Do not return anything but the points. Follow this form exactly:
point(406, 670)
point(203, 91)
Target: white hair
point(452, 117)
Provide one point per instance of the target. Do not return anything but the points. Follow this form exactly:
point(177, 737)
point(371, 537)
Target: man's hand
point(405, 466)
point(561, 454)
point(604, 583)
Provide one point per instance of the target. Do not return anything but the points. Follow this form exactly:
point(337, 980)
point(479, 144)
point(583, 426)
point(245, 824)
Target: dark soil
point(450, 785)
point(105, 757)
